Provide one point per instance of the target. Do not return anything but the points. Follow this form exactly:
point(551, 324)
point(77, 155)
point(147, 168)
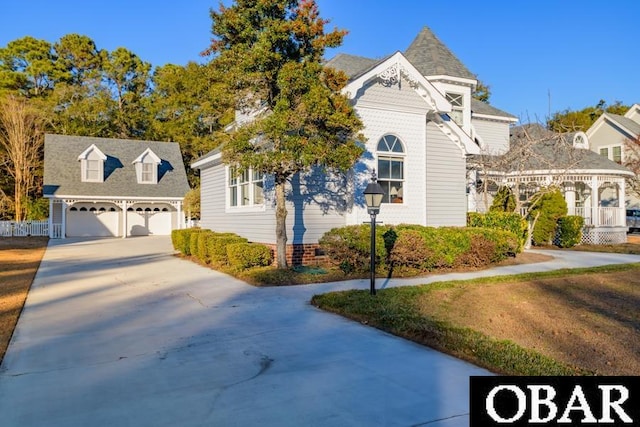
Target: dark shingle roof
point(351, 65)
point(543, 149)
point(480, 107)
point(432, 58)
point(62, 174)
point(625, 122)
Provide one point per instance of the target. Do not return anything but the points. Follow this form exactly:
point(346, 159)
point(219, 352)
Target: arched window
point(83, 209)
point(73, 209)
point(391, 168)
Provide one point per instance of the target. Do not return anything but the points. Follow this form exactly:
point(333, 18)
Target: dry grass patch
point(588, 320)
point(19, 261)
point(567, 322)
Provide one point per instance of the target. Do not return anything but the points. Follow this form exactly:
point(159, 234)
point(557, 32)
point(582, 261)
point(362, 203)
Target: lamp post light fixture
point(373, 198)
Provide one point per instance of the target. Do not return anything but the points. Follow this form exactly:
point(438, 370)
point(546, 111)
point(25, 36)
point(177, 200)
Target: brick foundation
point(301, 254)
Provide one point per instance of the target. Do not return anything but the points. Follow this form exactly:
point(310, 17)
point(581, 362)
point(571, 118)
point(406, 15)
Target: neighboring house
point(113, 187)
point(593, 186)
point(609, 136)
point(420, 124)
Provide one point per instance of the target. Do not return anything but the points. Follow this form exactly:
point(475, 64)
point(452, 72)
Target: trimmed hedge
point(508, 221)
point(417, 248)
point(217, 247)
point(349, 247)
point(569, 231)
point(181, 239)
point(247, 255)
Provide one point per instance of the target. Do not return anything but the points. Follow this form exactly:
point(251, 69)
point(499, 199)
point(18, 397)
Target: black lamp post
point(373, 198)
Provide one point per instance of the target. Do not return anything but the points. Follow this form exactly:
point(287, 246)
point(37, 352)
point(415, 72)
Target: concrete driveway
point(122, 333)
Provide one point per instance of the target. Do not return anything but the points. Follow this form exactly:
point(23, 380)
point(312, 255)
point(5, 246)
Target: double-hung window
point(613, 153)
point(93, 170)
point(391, 168)
point(245, 187)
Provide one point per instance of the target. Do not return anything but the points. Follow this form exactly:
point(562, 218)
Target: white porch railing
point(610, 217)
point(24, 228)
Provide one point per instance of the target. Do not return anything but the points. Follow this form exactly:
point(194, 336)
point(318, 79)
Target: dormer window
point(457, 107)
point(92, 164)
point(147, 167)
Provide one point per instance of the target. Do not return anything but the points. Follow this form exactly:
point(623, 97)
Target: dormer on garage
point(147, 167)
point(92, 164)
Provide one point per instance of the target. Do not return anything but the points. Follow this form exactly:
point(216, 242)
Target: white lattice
point(594, 236)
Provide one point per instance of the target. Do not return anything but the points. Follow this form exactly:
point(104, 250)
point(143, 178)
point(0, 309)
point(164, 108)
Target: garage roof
point(62, 170)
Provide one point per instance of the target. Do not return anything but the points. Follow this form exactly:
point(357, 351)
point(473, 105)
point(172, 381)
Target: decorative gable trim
point(391, 71)
point(146, 165)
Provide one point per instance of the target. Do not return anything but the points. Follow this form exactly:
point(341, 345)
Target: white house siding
point(410, 129)
point(446, 200)
point(315, 205)
point(253, 224)
point(306, 219)
point(494, 134)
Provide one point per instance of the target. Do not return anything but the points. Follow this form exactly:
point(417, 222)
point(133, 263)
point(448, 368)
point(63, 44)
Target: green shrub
point(246, 255)
point(569, 232)
point(508, 221)
point(415, 248)
point(350, 247)
point(181, 240)
point(548, 207)
point(504, 201)
point(217, 247)
point(193, 242)
point(410, 251)
point(202, 246)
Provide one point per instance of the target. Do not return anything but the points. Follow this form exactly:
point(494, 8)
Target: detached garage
point(113, 188)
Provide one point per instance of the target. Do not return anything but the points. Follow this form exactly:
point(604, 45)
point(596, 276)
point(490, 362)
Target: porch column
point(180, 224)
point(124, 219)
point(622, 202)
point(595, 201)
point(63, 230)
point(50, 219)
point(570, 198)
point(472, 202)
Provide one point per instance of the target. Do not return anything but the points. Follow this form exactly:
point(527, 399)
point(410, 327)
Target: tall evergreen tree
point(271, 54)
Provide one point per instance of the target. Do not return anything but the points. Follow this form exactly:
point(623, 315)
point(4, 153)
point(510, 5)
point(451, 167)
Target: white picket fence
point(24, 228)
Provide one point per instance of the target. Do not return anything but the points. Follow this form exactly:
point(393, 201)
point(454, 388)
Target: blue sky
point(536, 55)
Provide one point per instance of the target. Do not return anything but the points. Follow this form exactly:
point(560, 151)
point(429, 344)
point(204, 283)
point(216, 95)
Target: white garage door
point(92, 221)
point(149, 221)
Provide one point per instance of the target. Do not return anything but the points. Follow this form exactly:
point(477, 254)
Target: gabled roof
point(625, 123)
point(432, 58)
point(62, 171)
point(546, 150)
point(484, 109)
point(351, 65)
point(92, 149)
point(151, 154)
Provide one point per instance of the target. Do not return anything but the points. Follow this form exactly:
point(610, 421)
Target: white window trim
point(251, 207)
point(456, 109)
point(391, 155)
point(84, 164)
point(610, 148)
point(147, 157)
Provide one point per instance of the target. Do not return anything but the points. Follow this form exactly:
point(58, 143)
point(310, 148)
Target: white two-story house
point(420, 124)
